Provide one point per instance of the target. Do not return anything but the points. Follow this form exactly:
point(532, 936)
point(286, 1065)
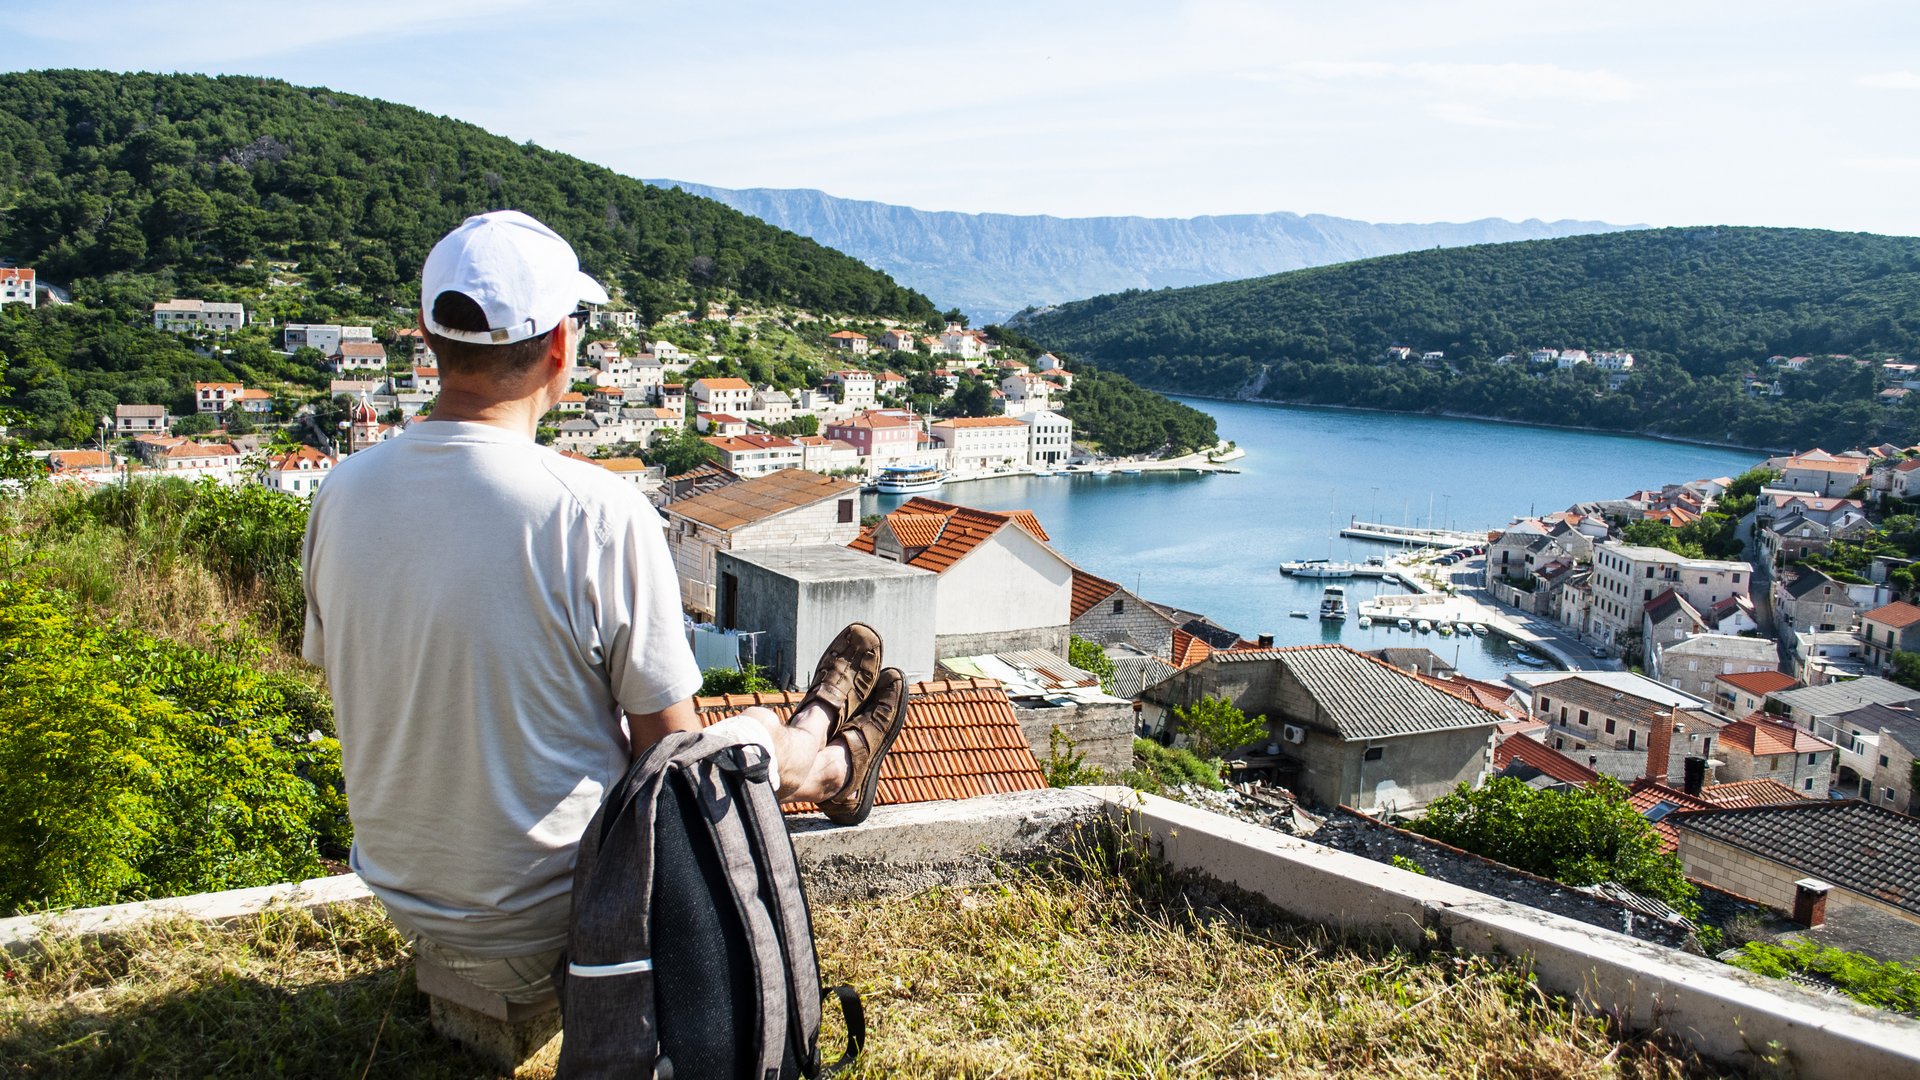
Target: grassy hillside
point(1699, 308)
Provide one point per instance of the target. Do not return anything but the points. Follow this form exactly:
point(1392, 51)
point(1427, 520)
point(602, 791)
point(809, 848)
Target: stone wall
point(1051, 638)
point(1101, 731)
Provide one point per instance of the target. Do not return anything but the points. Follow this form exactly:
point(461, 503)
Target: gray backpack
point(690, 951)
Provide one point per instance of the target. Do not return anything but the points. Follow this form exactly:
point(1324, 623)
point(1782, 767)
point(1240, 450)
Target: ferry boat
point(909, 479)
point(1333, 604)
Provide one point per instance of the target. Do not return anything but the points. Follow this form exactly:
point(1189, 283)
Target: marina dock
point(1403, 534)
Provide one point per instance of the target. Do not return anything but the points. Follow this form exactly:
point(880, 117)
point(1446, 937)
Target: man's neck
point(519, 415)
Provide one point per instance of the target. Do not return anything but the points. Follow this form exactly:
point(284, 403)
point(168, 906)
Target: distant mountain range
point(992, 265)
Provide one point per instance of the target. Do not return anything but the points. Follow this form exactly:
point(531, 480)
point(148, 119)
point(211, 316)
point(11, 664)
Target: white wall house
point(298, 472)
point(977, 444)
point(1049, 438)
point(189, 316)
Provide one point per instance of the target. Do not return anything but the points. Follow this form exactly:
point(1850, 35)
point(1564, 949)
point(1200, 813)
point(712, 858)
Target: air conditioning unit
point(1293, 733)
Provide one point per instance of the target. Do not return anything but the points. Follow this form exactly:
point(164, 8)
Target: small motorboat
point(1366, 621)
point(1480, 629)
point(1463, 628)
point(1444, 628)
point(1132, 472)
point(1405, 624)
point(1296, 614)
point(1423, 626)
point(1333, 604)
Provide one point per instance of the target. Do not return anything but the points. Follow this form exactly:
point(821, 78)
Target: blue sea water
point(1213, 544)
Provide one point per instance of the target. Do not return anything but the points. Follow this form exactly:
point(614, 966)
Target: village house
point(324, 338)
point(1106, 613)
point(979, 444)
point(82, 466)
point(1667, 620)
point(214, 397)
point(890, 386)
point(358, 356)
point(1025, 394)
point(849, 340)
point(188, 459)
point(877, 437)
point(957, 340)
point(198, 316)
point(1905, 483)
point(752, 455)
point(633, 470)
point(1820, 473)
point(1825, 656)
point(1608, 718)
point(1810, 600)
point(781, 509)
point(771, 406)
point(857, 388)
point(585, 434)
point(1796, 535)
point(1346, 729)
point(296, 472)
point(730, 396)
point(1826, 711)
point(673, 396)
point(898, 340)
point(1888, 629)
point(1745, 693)
point(614, 321)
point(1816, 859)
point(794, 600)
point(426, 380)
point(1626, 576)
point(720, 424)
point(645, 424)
point(571, 403)
point(1696, 663)
point(17, 286)
point(1049, 439)
point(141, 420)
point(821, 454)
point(1764, 747)
point(1001, 586)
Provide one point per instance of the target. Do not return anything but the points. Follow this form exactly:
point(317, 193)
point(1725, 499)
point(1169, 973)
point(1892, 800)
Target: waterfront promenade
point(1457, 594)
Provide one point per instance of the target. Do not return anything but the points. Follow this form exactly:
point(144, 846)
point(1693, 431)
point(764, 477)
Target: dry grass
point(1080, 976)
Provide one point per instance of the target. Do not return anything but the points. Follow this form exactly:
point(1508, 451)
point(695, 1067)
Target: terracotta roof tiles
point(1543, 758)
point(1762, 735)
point(960, 530)
point(1898, 614)
point(1088, 591)
point(1751, 793)
point(1760, 683)
point(961, 740)
point(750, 501)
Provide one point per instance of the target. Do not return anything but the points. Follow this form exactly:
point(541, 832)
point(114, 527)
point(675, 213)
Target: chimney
point(1266, 641)
point(1810, 902)
point(1660, 747)
point(1696, 774)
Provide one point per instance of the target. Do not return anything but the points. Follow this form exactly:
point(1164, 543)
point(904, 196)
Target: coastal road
point(1469, 577)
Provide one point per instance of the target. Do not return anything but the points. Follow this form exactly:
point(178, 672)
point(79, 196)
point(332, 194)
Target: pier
point(1403, 534)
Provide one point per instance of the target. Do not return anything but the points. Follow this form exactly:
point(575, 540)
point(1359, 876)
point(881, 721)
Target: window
point(1631, 733)
point(1886, 794)
point(1883, 761)
point(1375, 753)
point(1119, 606)
point(1609, 725)
point(1773, 764)
point(1703, 579)
point(1559, 744)
point(1583, 717)
point(846, 511)
point(1563, 714)
point(1546, 706)
point(1808, 786)
point(1813, 759)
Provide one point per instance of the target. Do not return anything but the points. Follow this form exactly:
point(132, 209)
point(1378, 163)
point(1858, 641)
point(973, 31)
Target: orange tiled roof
point(362, 348)
point(79, 459)
point(961, 529)
point(1490, 696)
point(961, 740)
point(1544, 758)
point(1898, 614)
point(1763, 736)
point(1761, 683)
point(723, 384)
point(1188, 649)
point(292, 458)
point(1751, 793)
point(1088, 591)
point(979, 422)
point(1646, 795)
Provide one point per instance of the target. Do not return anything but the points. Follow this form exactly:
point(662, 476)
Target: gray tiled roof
point(1364, 698)
point(1133, 674)
point(1839, 697)
point(1852, 844)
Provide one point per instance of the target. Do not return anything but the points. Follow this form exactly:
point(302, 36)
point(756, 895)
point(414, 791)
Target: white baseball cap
point(521, 273)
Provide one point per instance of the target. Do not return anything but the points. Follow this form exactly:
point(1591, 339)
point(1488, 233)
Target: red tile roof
point(1188, 649)
point(1898, 614)
point(1762, 735)
point(961, 740)
point(1761, 683)
point(1088, 591)
point(960, 529)
point(1751, 793)
point(722, 384)
point(1542, 757)
point(1645, 796)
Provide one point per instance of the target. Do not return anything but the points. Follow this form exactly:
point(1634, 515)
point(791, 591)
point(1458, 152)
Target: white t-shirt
point(484, 608)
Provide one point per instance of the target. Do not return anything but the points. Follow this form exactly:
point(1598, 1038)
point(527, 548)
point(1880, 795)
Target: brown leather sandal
point(869, 734)
point(845, 675)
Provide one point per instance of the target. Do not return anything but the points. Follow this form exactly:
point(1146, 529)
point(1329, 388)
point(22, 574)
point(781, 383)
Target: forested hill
point(190, 183)
point(1701, 309)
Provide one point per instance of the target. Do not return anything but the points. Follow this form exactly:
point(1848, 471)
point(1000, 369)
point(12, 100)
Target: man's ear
point(560, 347)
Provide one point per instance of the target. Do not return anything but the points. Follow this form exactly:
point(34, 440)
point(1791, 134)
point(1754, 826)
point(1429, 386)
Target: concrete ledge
point(20, 932)
point(1721, 1012)
point(904, 849)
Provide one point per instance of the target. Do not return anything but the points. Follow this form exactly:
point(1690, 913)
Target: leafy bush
point(1089, 657)
point(1066, 765)
point(1408, 865)
point(136, 767)
point(1157, 768)
point(1887, 985)
point(1581, 837)
point(748, 679)
point(1215, 726)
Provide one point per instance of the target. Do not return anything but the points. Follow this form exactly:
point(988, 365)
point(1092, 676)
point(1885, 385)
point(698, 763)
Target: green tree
point(1215, 726)
point(681, 450)
point(1581, 837)
point(1089, 657)
point(1905, 669)
point(748, 679)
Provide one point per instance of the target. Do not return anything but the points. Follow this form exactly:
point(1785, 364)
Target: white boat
point(908, 479)
point(1423, 626)
point(1333, 604)
point(1444, 628)
point(1480, 629)
point(1133, 472)
point(1296, 614)
point(1405, 624)
point(1529, 659)
point(1366, 621)
point(1463, 628)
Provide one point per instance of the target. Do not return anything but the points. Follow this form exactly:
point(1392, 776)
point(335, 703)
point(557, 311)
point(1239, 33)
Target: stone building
point(781, 509)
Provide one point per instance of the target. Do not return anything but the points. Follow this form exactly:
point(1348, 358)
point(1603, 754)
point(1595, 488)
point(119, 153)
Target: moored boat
point(1366, 621)
point(1423, 626)
point(1333, 604)
point(1405, 624)
point(1317, 568)
point(1480, 629)
point(908, 479)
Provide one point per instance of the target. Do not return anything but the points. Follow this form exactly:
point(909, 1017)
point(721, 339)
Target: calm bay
point(1213, 543)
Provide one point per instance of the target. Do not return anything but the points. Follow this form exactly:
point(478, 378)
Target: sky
point(1670, 113)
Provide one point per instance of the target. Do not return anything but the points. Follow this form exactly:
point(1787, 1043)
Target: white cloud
point(1890, 80)
point(1908, 165)
point(1474, 116)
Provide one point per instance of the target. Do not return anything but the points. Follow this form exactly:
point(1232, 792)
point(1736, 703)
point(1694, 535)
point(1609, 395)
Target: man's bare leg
point(811, 768)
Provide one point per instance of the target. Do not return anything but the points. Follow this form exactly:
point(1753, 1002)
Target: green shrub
point(137, 767)
point(1066, 765)
point(1157, 768)
point(1408, 865)
point(1089, 657)
point(1216, 725)
point(749, 679)
point(1887, 985)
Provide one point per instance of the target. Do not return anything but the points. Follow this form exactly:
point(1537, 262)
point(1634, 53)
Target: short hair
point(504, 363)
